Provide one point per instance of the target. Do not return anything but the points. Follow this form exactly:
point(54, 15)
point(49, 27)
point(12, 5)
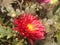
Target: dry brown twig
point(20, 4)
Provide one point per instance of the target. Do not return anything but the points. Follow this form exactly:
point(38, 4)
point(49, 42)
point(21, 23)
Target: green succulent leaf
point(58, 38)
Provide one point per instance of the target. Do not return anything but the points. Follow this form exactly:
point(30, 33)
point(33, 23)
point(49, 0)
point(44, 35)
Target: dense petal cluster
point(42, 1)
point(29, 27)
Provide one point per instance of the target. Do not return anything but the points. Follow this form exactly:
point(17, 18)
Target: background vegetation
point(47, 13)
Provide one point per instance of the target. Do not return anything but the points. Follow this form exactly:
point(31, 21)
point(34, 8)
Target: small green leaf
point(55, 8)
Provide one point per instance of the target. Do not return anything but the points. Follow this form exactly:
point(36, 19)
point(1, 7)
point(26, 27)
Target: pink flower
point(29, 27)
point(42, 1)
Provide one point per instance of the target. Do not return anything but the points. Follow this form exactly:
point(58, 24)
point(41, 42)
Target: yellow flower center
point(29, 27)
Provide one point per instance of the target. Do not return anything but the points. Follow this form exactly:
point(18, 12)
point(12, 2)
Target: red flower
point(29, 27)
